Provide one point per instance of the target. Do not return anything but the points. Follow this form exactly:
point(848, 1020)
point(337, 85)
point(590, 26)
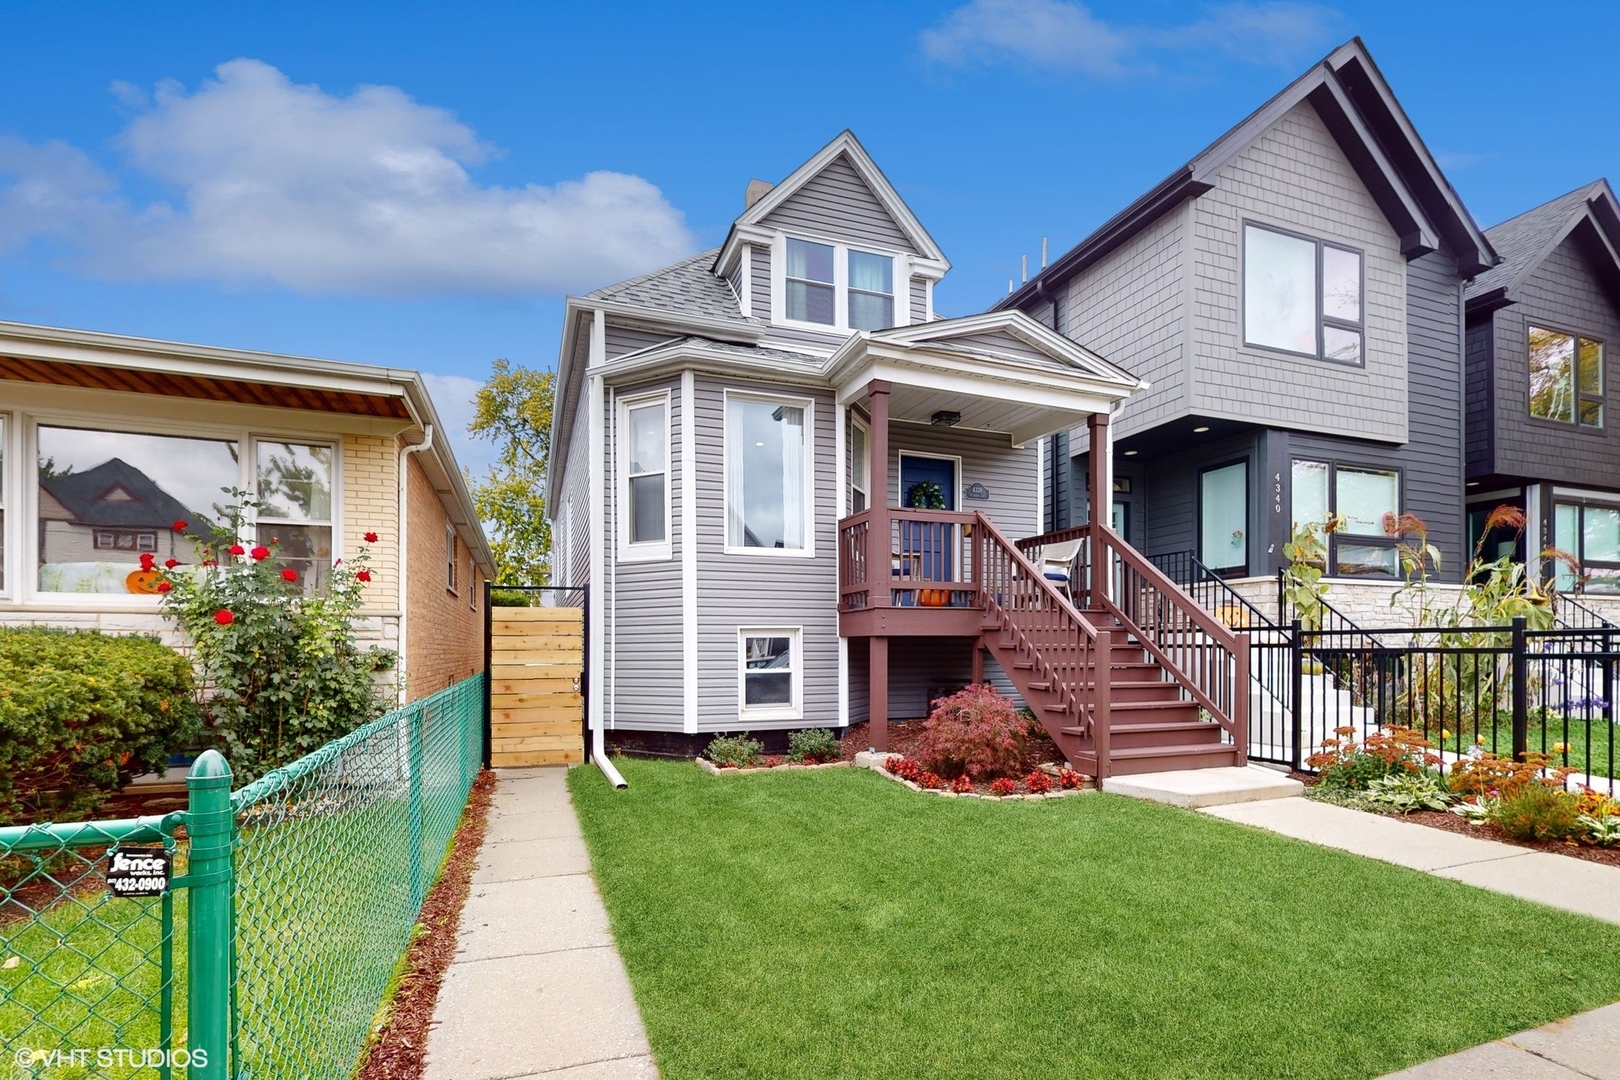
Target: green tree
point(514, 413)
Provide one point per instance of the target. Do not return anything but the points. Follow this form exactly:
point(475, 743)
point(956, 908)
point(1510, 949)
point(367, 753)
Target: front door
point(926, 547)
point(1223, 518)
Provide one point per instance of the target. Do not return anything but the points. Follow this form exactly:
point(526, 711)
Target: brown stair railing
point(1069, 654)
point(1206, 659)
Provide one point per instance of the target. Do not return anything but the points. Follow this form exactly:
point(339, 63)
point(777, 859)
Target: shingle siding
point(1563, 293)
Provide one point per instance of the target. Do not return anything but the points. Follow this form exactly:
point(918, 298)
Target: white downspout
point(404, 517)
point(596, 470)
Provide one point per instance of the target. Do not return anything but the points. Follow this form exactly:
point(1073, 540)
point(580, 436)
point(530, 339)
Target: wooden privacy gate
point(536, 685)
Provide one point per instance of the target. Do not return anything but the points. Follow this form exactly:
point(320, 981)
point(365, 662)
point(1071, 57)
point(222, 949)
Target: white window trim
point(645, 550)
point(12, 447)
point(452, 560)
point(22, 508)
point(865, 481)
point(809, 407)
point(793, 711)
point(899, 282)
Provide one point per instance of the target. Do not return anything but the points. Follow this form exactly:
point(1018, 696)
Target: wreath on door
point(925, 495)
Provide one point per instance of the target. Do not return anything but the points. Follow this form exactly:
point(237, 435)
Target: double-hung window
point(1363, 500)
point(1566, 377)
point(770, 671)
point(1302, 295)
point(295, 508)
point(837, 286)
point(768, 454)
point(645, 491)
point(860, 466)
point(450, 556)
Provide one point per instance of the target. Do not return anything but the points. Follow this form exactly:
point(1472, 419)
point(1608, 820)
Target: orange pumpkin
point(143, 582)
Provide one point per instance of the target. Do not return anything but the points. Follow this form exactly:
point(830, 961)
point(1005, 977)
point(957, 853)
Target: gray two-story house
point(1294, 296)
point(1540, 434)
point(797, 498)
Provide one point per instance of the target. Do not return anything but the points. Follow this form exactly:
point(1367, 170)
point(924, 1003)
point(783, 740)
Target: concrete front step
point(1205, 787)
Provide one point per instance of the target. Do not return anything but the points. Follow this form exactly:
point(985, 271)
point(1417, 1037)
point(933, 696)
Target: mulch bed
point(1446, 821)
point(398, 1048)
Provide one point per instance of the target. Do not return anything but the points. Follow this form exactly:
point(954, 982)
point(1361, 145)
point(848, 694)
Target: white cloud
point(453, 400)
point(281, 184)
point(1063, 35)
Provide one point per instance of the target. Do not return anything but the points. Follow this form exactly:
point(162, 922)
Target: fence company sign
point(138, 871)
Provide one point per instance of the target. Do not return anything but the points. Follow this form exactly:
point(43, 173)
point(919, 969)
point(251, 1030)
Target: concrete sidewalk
point(1560, 881)
point(537, 987)
point(1584, 1047)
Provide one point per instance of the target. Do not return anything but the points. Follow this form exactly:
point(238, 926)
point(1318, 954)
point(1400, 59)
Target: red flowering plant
point(1038, 783)
point(1068, 779)
point(1006, 785)
point(279, 670)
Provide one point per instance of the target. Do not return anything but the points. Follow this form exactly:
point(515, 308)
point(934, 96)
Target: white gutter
point(404, 518)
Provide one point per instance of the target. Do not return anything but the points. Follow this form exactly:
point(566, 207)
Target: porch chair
point(1057, 564)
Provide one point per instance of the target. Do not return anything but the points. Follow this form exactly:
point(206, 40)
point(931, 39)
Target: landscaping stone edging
point(871, 759)
point(710, 767)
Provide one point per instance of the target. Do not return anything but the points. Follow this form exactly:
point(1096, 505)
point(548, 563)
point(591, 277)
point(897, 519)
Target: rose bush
point(281, 673)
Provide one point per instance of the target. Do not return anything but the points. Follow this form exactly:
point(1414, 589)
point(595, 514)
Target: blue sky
point(419, 184)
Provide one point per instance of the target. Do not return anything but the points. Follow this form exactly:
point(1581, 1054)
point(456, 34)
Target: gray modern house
point(799, 499)
point(1294, 294)
point(1540, 434)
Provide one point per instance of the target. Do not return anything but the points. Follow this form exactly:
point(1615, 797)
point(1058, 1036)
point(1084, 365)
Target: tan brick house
point(106, 440)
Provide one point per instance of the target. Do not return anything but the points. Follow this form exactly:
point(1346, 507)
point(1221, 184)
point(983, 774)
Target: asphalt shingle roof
point(688, 287)
point(1520, 239)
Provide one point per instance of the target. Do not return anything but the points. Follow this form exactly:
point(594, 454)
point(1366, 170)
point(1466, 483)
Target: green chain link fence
point(333, 857)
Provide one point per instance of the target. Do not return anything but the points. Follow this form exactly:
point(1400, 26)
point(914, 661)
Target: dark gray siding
point(1481, 383)
point(838, 203)
point(1433, 455)
point(763, 590)
point(645, 670)
point(1562, 294)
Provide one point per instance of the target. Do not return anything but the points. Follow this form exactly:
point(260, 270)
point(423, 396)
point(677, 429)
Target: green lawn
point(832, 923)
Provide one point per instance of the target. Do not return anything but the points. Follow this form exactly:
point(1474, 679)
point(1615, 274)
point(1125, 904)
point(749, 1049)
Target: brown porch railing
point(1205, 658)
point(928, 556)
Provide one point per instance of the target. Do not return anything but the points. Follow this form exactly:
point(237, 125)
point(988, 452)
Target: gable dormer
point(830, 250)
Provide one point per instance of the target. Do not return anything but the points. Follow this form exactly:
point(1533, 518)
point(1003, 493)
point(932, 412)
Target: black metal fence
point(1508, 690)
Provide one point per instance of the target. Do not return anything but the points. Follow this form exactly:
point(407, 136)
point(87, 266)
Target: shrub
point(812, 746)
point(1602, 830)
point(1006, 785)
point(974, 732)
point(1404, 792)
point(1538, 812)
point(1345, 764)
point(962, 786)
point(1068, 779)
point(281, 672)
point(734, 751)
point(81, 713)
point(1038, 782)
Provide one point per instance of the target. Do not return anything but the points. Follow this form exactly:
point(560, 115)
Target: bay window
point(768, 504)
point(1361, 499)
point(770, 672)
point(645, 490)
point(1566, 377)
point(1302, 295)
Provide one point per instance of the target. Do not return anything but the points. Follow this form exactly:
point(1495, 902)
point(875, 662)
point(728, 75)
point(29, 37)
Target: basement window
point(770, 673)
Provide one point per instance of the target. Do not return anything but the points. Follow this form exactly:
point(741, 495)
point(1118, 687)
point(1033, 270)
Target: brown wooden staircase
point(1137, 678)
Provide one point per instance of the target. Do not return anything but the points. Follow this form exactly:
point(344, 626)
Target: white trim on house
point(689, 566)
point(808, 404)
point(745, 298)
point(595, 474)
point(646, 550)
point(793, 711)
point(851, 475)
point(840, 282)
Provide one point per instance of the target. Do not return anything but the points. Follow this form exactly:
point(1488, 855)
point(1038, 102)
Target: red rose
point(224, 617)
point(362, 575)
point(179, 526)
point(171, 563)
point(371, 538)
point(147, 558)
point(210, 562)
point(237, 549)
point(289, 575)
point(164, 586)
point(260, 553)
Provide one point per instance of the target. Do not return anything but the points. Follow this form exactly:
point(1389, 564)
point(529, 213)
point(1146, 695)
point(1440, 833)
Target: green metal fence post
point(211, 825)
point(413, 754)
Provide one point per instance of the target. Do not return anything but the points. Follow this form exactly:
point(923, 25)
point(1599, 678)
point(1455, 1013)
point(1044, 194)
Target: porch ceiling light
point(945, 418)
point(1130, 453)
point(1200, 430)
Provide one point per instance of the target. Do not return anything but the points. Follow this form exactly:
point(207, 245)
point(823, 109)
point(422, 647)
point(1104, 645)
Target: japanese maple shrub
point(975, 732)
point(281, 673)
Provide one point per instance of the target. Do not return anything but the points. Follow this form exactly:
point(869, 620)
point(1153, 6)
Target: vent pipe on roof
point(1043, 253)
point(1023, 269)
point(757, 190)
